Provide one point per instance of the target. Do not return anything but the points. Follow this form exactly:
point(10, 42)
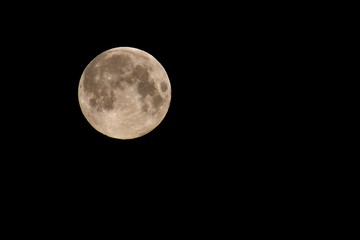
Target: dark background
point(206, 58)
point(234, 127)
point(229, 69)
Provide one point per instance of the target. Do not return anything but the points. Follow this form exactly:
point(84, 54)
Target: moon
point(124, 93)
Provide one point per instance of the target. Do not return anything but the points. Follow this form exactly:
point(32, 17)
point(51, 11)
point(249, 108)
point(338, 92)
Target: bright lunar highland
point(124, 93)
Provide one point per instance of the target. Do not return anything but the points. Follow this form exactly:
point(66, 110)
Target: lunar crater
point(163, 86)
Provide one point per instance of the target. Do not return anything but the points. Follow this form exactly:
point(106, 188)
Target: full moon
point(124, 93)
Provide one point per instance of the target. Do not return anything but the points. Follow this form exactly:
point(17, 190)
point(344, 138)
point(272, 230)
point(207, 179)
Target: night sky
point(227, 75)
point(231, 126)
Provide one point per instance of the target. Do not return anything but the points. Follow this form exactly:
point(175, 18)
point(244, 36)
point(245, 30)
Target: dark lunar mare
point(146, 86)
point(103, 99)
point(163, 86)
point(118, 65)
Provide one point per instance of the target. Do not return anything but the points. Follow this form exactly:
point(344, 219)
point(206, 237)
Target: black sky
point(223, 71)
point(230, 120)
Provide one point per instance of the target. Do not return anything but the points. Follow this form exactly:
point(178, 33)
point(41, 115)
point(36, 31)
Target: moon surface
point(124, 93)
